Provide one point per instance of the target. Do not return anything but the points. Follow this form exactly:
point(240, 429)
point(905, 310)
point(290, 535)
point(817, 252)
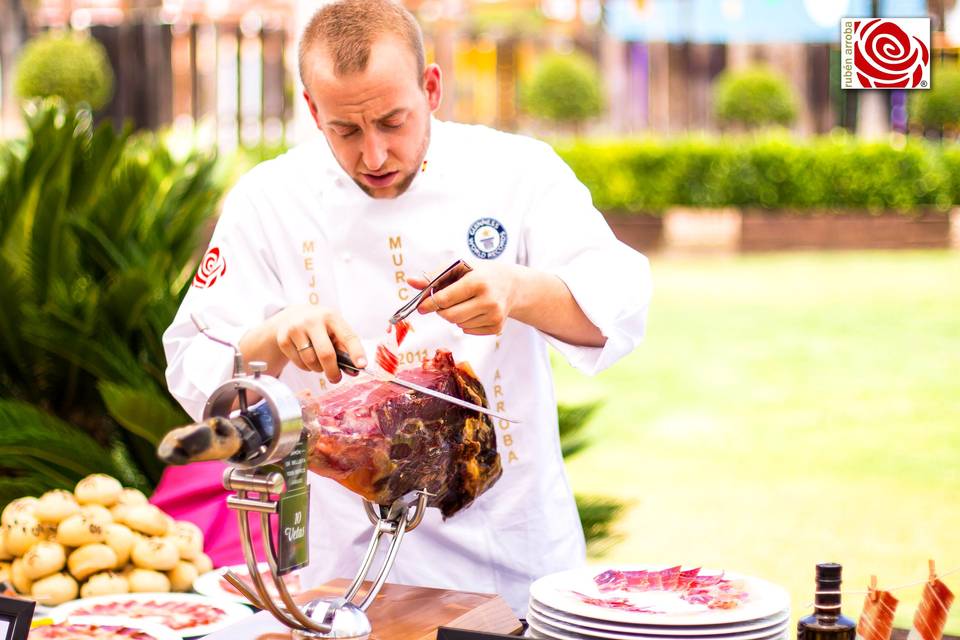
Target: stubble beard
point(401, 187)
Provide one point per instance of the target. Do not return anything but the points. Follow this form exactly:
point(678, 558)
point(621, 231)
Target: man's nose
point(374, 151)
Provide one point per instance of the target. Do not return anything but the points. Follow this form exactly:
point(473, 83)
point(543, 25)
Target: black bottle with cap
point(827, 623)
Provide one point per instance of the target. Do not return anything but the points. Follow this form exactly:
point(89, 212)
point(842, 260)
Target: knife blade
point(347, 365)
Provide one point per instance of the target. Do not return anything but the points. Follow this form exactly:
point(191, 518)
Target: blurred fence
point(230, 76)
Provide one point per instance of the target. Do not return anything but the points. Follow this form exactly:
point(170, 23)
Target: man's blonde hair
point(347, 29)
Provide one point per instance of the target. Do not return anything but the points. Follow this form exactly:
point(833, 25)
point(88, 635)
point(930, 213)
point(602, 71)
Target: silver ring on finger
point(309, 345)
point(439, 308)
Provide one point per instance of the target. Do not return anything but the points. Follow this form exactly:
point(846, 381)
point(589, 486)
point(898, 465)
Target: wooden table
point(399, 613)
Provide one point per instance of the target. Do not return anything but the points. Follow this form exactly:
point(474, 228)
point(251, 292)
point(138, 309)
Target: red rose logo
point(211, 267)
point(887, 58)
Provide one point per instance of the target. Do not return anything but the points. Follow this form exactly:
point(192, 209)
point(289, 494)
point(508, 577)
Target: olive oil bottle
point(827, 623)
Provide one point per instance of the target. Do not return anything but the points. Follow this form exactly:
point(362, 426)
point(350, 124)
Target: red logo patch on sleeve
point(211, 268)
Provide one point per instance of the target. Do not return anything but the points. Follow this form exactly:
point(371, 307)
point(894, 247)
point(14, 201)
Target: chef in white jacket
point(320, 246)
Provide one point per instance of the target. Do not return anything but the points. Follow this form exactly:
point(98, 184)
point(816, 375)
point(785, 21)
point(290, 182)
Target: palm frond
point(40, 441)
point(597, 515)
point(572, 420)
point(142, 411)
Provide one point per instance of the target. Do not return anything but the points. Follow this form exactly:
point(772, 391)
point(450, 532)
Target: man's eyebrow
point(344, 123)
point(393, 113)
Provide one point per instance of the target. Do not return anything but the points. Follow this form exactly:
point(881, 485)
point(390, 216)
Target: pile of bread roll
point(101, 539)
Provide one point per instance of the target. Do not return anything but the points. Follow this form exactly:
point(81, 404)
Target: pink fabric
point(194, 492)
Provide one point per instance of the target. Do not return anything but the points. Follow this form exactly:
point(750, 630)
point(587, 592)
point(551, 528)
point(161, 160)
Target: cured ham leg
point(381, 441)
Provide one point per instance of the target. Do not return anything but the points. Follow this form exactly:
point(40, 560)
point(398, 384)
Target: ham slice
point(931, 616)
point(876, 621)
point(712, 591)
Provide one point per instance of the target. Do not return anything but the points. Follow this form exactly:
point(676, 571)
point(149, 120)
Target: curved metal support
point(292, 608)
point(258, 583)
point(365, 567)
point(387, 565)
point(420, 507)
point(242, 587)
point(399, 518)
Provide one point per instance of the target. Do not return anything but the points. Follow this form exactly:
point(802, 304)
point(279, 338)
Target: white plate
point(770, 622)
point(209, 584)
point(552, 626)
point(544, 630)
point(555, 591)
point(232, 611)
point(157, 631)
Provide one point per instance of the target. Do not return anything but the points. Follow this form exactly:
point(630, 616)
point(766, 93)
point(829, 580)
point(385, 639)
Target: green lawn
point(788, 409)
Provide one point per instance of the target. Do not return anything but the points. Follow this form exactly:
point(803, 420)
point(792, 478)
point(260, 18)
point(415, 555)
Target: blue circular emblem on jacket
point(487, 238)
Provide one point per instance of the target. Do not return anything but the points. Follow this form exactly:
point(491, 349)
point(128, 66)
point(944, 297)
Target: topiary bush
point(938, 109)
point(68, 65)
point(565, 89)
point(753, 98)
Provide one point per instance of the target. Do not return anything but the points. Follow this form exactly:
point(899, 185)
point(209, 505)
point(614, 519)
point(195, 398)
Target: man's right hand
point(306, 335)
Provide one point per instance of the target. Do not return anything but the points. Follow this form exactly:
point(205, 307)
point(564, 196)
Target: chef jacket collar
point(430, 168)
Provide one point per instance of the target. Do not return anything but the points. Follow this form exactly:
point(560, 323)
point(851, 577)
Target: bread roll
point(119, 538)
point(182, 576)
point(16, 507)
point(189, 539)
point(19, 579)
point(132, 496)
point(90, 559)
point(98, 488)
point(4, 572)
point(43, 559)
point(203, 563)
point(48, 531)
point(147, 519)
point(159, 554)
point(55, 589)
point(104, 583)
point(78, 530)
point(147, 580)
point(56, 505)
point(21, 534)
point(96, 513)
point(5, 555)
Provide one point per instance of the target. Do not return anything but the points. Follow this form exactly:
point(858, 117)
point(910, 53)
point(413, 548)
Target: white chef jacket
point(297, 229)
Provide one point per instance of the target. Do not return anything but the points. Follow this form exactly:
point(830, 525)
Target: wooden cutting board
point(400, 612)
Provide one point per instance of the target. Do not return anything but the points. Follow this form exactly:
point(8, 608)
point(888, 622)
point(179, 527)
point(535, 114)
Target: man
point(317, 248)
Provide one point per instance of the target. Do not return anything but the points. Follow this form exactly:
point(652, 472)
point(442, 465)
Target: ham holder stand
point(273, 481)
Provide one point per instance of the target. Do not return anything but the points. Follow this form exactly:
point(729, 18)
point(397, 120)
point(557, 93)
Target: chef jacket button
point(346, 256)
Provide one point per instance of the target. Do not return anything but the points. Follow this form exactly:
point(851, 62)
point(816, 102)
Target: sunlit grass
point(788, 409)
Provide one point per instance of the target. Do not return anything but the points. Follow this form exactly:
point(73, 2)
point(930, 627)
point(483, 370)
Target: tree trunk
point(13, 34)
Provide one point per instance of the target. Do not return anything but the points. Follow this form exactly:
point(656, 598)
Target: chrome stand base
point(344, 619)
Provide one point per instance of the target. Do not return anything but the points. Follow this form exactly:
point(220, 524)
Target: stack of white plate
point(561, 608)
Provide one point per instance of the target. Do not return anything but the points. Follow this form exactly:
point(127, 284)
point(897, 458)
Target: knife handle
point(346, 363)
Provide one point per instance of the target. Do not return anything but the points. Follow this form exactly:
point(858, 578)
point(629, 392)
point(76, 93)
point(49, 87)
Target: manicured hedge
point(832, 172)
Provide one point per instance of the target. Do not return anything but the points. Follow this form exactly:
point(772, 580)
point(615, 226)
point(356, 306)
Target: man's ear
point(433, 86)
point(313, 108)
